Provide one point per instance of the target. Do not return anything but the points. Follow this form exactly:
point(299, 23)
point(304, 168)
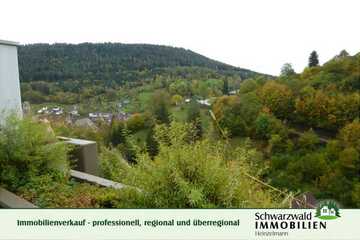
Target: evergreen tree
point(162, 114)
point(152, 146)
point(193, 116)
point(128, 151)
point(343, 54)
point(116, 134)
point(226, 87)
point(313, 59)
point(159, 106)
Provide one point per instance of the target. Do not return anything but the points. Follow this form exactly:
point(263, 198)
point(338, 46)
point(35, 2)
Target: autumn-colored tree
point(176, 99)
point(136, 122)
point(350, 135)
point(349, 160)
point(278, 98)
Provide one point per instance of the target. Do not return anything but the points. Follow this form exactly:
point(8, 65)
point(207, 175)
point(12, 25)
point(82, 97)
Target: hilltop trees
point(287, 70)
point(343, 54)
point(313, 59)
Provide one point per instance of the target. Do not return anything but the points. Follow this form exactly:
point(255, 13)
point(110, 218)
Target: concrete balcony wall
point(10, 99)
point(85, 153)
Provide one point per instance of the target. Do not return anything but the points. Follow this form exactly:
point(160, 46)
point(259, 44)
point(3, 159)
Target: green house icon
point(327, 210)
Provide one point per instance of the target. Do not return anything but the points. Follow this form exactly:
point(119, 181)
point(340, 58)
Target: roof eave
point(9, 43)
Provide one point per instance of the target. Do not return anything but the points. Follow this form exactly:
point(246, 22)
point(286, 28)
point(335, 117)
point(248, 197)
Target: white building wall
point(10, 99)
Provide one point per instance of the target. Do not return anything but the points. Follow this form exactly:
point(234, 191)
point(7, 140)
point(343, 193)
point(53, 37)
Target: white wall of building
point(10, 99)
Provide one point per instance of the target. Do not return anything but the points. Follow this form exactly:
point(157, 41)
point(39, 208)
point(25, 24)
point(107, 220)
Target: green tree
point(308, 140)
point(152, 146)
point(343, 54)
point(287, 70)
point(313, 59)
point(116, 133)
point(226, 87)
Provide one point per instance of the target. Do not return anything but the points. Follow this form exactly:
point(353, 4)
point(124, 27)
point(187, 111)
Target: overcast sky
point(257, 34)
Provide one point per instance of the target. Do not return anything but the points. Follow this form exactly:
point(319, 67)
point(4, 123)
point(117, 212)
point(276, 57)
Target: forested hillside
point(73, 74)
point(109, 61)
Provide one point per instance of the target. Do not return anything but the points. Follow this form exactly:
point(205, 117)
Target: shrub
point(195, 174)
point(112, 164)
point(48, 191)
point(28, 149)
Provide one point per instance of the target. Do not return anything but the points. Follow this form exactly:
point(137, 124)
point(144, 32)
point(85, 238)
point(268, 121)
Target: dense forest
point(109, 62)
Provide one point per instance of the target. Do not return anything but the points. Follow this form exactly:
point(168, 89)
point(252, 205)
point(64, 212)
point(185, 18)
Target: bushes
point(113, 165)
point(27, 150)
point(48, 191)
point(194, 174)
